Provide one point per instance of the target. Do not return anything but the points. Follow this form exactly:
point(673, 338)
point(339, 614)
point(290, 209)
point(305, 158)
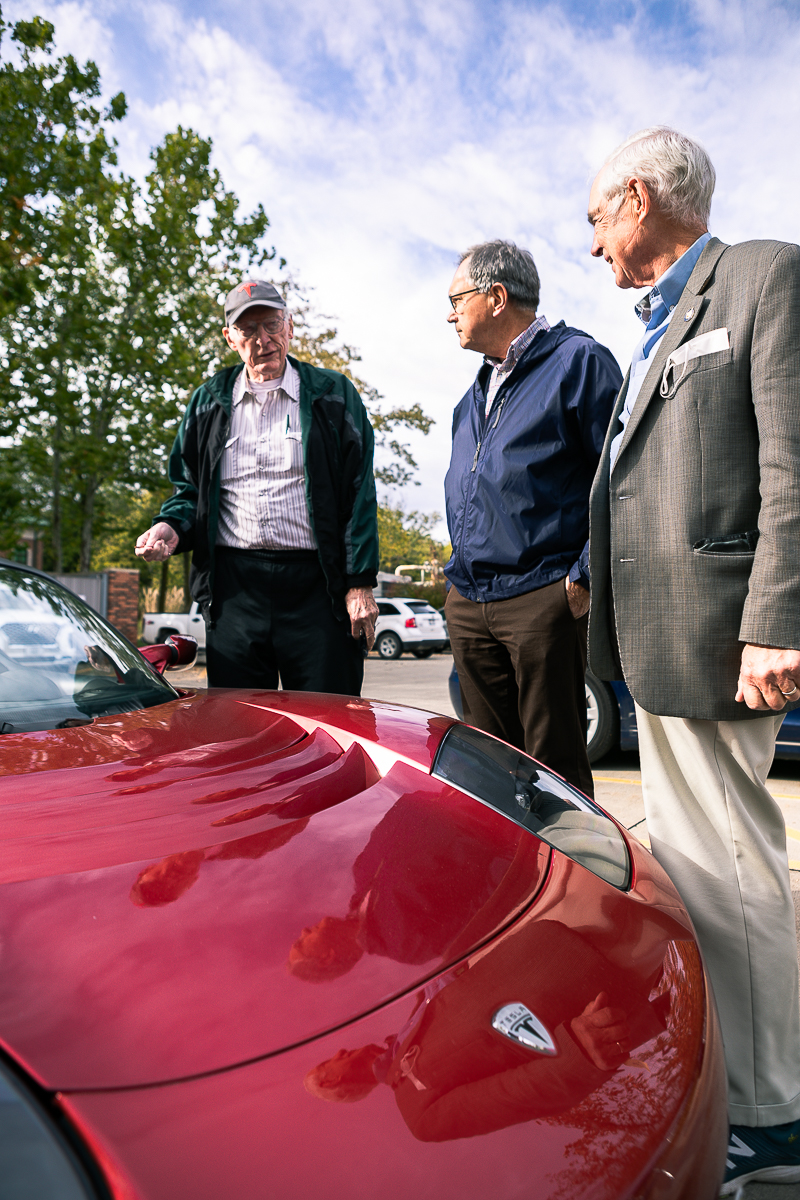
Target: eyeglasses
point(459, 296)
point(248, 332)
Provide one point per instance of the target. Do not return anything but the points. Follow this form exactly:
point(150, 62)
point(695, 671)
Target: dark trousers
point(521, 664)
point(272, 617)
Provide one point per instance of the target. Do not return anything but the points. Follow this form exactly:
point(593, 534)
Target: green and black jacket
point(340, 486)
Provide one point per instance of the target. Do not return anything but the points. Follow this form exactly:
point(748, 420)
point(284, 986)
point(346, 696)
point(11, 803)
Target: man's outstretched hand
point(158, 543)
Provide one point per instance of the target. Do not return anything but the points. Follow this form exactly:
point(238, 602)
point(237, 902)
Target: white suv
point(408, 624)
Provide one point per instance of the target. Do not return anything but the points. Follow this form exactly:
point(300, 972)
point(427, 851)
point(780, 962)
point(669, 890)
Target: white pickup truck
point(158, 626)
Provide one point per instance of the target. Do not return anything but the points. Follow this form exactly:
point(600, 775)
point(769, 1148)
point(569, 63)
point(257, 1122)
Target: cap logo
point(247, 287)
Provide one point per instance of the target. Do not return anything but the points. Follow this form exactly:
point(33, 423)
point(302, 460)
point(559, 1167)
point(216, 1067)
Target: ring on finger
point(795, 691)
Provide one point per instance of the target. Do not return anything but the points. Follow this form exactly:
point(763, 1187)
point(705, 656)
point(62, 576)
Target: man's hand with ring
point(768, 677)
point(602, 1031)
point(158, 543)
point(363, 613)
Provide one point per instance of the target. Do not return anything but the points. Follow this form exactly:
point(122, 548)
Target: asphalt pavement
point(422, 683)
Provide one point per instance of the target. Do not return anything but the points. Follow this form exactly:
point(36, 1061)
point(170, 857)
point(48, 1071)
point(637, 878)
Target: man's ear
point(498, 297)
point(639, 196)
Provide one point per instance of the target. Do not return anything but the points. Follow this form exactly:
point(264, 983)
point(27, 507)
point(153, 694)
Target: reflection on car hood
point(217, 878)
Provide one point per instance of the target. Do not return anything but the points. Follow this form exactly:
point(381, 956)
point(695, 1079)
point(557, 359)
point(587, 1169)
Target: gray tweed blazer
point(695, 533)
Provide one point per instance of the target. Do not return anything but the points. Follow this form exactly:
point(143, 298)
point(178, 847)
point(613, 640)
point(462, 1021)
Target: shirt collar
point(290, 384)
point(519, 345)
point(662, 298)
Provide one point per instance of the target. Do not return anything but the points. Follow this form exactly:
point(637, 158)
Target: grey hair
point(677, 171)
point(506, 263)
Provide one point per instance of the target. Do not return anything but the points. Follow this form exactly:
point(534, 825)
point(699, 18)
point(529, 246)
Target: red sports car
point(264, 944)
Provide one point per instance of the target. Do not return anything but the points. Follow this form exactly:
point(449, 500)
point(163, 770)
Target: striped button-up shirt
point(501, 370)
point(263, 495)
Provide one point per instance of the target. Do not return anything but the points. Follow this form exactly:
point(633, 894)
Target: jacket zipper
point(480, 440)
point(473, 468)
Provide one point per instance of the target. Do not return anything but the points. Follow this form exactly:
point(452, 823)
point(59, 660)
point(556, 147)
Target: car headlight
point(517, 786)
point(35, 1160)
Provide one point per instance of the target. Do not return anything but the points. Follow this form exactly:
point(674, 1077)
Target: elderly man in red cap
point(275, 497)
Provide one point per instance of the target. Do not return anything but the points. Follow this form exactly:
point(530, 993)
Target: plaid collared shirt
point(515, 351)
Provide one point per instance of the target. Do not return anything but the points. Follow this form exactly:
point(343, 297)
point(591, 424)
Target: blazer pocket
point(735, 545)
point(673, 379)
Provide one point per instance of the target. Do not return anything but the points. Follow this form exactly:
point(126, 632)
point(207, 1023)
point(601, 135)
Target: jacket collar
point(541, 346)
point(688, 312)
point(314, 382)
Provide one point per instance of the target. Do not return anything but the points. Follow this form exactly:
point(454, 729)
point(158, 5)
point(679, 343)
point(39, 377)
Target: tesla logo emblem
point(518, 1023)
point(247, 287)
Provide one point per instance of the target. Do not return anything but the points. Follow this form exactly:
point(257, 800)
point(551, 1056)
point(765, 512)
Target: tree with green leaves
point(110, 306)
point(123, 325)
point(407, 537)
point(53, 141)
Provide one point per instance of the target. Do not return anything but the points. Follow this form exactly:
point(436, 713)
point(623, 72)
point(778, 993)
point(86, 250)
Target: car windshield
point(420, 606)
point(60, 663)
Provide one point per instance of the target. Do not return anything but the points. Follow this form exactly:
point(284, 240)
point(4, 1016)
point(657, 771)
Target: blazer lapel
point(687, 313)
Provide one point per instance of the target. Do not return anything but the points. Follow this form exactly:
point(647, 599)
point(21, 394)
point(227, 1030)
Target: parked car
point(31, 633)
point(611, 719)
point(274, 943)
point(407, 624)
point(157, 627)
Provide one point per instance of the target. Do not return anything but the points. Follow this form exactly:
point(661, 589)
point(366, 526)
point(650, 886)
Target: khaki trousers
point(721, 838)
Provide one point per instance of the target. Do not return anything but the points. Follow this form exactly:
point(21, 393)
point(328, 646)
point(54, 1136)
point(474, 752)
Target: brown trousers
point(521, 666)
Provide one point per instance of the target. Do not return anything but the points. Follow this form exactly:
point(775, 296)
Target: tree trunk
point(87, 522)
point(161, 606)
point(187, 595)
point(58, 550)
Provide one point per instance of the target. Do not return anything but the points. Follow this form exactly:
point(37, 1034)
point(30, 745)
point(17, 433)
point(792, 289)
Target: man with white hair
point(695, 528)
point(275, 496)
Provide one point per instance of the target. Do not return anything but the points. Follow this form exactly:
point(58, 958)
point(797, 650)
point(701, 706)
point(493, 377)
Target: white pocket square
point(707, 343)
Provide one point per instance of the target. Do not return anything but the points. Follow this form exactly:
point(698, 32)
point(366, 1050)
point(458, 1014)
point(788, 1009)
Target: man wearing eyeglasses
point(527, 438)
point(275, 496)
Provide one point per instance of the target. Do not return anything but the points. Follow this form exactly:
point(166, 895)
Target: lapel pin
point(689, 314)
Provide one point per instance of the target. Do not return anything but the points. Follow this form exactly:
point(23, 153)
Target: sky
point(384, 137)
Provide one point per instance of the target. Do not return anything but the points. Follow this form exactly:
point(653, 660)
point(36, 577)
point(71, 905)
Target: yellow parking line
point(630, 782)
point(794, 865)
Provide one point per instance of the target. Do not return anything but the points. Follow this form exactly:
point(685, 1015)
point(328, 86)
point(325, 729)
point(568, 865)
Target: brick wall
point(123, 601)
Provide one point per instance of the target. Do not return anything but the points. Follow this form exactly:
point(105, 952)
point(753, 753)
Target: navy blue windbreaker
point(517, 492)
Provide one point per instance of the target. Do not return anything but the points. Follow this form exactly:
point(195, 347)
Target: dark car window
point(60, 663)
point(523, 790)
point(386, 610)
point(420, 606)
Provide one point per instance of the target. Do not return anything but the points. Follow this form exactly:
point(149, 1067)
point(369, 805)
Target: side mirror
point(171, 655)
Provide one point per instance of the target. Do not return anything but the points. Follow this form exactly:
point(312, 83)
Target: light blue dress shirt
point(656, 311)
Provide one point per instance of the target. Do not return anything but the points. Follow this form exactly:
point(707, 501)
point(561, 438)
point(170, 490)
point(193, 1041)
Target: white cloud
point(384, 140)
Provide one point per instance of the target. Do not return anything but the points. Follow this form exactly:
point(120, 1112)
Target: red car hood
point(207, 882)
